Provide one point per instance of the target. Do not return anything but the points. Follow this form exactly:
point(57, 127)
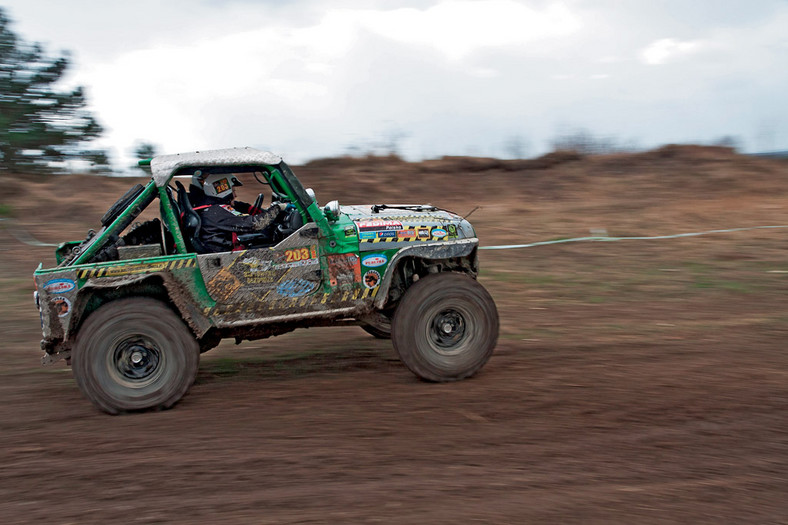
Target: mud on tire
point(134, 354)
point(445, 327)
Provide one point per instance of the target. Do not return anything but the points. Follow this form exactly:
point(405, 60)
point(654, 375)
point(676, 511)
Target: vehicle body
point(132, 312)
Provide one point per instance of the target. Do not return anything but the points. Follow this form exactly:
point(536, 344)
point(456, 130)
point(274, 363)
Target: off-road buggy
point(133, 305)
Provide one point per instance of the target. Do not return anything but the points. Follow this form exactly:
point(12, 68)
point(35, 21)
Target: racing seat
point(289, 224)
point(190, 221)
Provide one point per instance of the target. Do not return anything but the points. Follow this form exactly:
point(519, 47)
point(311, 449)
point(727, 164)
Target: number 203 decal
point(300, 254)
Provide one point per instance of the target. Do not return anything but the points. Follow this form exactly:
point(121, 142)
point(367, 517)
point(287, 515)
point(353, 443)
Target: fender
point(433, 250)
point(176, 292)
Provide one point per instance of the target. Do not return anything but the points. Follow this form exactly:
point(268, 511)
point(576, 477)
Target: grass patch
point(223, 367)
point(698, 268)
point(728, 286)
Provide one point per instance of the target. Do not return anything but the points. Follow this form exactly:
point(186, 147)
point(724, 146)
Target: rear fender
point(160, 285)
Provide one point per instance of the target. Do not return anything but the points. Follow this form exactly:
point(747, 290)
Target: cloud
point(185, 95)
point(458, 28)
point(669, 49)
point(308, 78)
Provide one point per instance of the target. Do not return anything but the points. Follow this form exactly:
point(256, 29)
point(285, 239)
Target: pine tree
point(144, 150)
point(41, 127)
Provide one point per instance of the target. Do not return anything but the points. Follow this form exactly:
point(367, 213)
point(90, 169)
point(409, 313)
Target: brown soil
point(634, 382)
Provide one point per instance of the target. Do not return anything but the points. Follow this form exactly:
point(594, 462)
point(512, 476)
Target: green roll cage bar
point(279, 176)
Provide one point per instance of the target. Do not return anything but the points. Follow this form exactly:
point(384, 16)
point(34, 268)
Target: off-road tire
point(134, 354)
point(380, 328)
point(445, 327)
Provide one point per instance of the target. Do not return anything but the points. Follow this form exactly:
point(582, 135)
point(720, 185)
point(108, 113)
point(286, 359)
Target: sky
point(427, 78)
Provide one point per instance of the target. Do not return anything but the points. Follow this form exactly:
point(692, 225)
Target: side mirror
point(332, 210)
point(311, 193)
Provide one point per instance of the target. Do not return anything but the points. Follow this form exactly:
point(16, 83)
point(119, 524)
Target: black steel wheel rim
point(447, 330)
point(136, 359)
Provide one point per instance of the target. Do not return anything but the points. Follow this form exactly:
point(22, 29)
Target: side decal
point(371, 279)
point(115, 271)
point(56, 286)
point(374, 260)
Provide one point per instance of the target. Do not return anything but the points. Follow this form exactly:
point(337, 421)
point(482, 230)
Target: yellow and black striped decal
point(334, 299)
point(130, 269)
point(409, 234)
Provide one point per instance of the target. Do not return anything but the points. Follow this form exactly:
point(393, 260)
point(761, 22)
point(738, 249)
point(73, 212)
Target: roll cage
point(276, 172)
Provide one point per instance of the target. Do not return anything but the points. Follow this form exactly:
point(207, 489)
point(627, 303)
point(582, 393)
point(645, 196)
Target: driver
point(223, 218)
point(197, 196)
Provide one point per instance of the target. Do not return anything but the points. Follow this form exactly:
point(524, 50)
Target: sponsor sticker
point(221, 185)
point(300, 254)
point(297, 264)
point(378, 225)
point(62, 306)
point(295, 287)
point(439, 233)
point(350, 231)
point(232, 210)
point(295, 258)
point(374, 260)
point(423, 233)
point(343, 269)
point(406, 234)
point(223, 285)
point(367, 235)
point(59, 286)
point(452, 229)
point(387, 235)
point(261, 277)
point(371, 279)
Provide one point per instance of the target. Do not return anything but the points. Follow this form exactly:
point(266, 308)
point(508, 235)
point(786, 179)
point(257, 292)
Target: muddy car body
point(132, 311)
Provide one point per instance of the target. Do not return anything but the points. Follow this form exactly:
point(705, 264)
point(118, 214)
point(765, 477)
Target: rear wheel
point(134, 354)
point(445, 327)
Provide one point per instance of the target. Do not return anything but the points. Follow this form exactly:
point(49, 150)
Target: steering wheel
point(258, 204)
point(275, 196)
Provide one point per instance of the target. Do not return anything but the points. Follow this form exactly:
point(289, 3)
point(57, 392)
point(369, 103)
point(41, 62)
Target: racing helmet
point(197, 177)
point(220, 185)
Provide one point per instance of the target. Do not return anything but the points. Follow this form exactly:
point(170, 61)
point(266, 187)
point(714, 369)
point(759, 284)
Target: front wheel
point(134, 354)
point(445, 327)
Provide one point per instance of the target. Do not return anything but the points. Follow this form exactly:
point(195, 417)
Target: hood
point(399, 224)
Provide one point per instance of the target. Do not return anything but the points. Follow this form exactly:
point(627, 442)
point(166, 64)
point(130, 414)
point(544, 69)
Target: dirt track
point(633, 382)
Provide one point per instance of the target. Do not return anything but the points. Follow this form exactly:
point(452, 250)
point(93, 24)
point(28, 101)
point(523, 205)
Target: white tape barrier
point(23, 236)
point(610, 239)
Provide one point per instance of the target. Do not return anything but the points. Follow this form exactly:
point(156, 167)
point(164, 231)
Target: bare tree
point(516, 147)
point(727, 141)
point(586, 143)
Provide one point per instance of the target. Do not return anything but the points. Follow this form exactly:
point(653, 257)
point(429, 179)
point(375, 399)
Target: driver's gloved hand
point(282, 206)
point(290, 206)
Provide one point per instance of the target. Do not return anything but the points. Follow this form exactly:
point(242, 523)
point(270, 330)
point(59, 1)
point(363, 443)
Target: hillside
point(560, 194)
